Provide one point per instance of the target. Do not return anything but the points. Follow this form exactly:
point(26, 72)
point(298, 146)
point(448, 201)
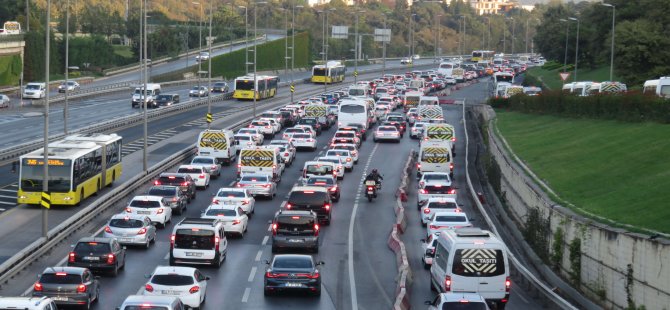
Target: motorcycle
point(371, 189)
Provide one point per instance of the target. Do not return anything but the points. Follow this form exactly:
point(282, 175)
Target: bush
point(11, 72)
point(630, 107)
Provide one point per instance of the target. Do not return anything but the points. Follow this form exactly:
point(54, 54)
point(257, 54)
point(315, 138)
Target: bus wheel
point(81, 197)
point(113, 178)
point(97, 189)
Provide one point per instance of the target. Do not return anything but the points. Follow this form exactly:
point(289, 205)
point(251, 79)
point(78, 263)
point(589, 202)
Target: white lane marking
point(8, 203)
point(139, 292)
point(167, 255)
point(231, 183)
point(265, 240)
point(8, 190)
point(252, 274)
point(283, 204)
point(350, 255)
point(269, 228)
point(247, 292)
point(258, 255)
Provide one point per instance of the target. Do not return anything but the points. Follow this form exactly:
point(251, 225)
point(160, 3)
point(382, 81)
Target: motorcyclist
point(375, 176)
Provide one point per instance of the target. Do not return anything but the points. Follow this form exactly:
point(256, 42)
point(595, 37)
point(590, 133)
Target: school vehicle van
point(259, 160)
point(219, 144)
point(435, 156)
point(471, 260)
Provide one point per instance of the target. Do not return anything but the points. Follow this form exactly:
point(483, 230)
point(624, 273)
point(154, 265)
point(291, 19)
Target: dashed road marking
point(252, 274)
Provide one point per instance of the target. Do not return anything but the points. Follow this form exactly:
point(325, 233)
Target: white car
point(386, 133)
point(197, 173)
point(245, 140)
point(416, 132)
point(434, 205)
point(153, 207)
point(236, 196)
point(276, 126)
point(131, 229)
point(186, 283)
point(258, 184)
point(428, 249)
point(234, 219)
point(444, 220)
point(288, 132)
point(287, 153)
point(381, 111)
point(345, 155)
point(337, 161)
point(434, 178)
point(4, 101)
point(198, 91)
point(254, 132)
point(304, 140)
point(406, 61)
point(351, 147)
point(34, 90)
point(307, 128)
point(70, 86)
point(264, 127)
point(209, 163)
point(202, 56)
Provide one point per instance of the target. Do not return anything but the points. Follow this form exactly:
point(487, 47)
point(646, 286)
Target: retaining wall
point(617, 268)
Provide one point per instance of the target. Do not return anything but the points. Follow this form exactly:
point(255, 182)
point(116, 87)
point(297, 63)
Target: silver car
point(209, 163)
point(386, 133)
point(258, 184)
point(200, 91)
point(131, 229)
point(416, 132)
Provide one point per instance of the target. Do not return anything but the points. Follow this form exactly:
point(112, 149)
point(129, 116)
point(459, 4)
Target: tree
point(641, 51)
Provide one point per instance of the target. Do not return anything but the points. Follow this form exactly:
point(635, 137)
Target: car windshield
point(221, 212)
point(451, 218)
point(163, 192)
point(254, 178)
point(145, 204)
point(163, 97)
point(60, 278)
point(172, 279)
point(292, 262)
point(96, 248)
point(230, 194)
point(459, 305)
point(123, 223)
point(219, 84)
point(194, 238)
point(202, 160)
point(32, 87)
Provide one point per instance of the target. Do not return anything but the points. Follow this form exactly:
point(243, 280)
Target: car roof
point(441, 199)
point(172, 174)
point(462, 296)
point(95, 239)
point(223, 206)
point(228, 189)
point(255, 174)
point(190, 167)
point(293, 256)
point(157, 300)
point(172, 187)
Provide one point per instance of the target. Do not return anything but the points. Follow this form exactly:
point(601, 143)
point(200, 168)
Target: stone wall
point(612, 266)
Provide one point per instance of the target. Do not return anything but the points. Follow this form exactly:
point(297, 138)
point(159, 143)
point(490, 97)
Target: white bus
point(353, 111)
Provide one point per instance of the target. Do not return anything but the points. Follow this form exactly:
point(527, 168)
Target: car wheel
point(115, 271)
point(317, 293)
point(274, 249)
point(425, 266)
point(267, 292)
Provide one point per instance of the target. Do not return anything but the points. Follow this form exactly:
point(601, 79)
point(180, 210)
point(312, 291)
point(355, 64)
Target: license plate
point(126, 240)
point(59, 298)
point(91, 258)
point(167, 292)
point(295, 240)
point(143, 212)
point(194, 254)
point(370, 192)
point(291, 284)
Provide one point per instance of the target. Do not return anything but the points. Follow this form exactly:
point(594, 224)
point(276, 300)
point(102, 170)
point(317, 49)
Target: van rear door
point(481, 270)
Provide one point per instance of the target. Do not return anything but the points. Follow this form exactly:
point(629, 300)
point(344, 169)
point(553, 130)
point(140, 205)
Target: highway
point(238, 283)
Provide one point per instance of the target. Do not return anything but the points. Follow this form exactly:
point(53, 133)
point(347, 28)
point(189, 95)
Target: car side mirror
point(147, 276)
point(207, 278)
point(321, 263)
point(267, 262)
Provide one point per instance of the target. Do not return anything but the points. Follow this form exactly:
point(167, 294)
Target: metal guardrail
point(537, 283)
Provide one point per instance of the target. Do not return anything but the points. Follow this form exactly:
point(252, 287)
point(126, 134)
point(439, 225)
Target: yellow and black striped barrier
point(46, 200)
point(209, 117)
point(292, 88)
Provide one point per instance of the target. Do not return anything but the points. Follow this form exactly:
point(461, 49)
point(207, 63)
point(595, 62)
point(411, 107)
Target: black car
point(328, 182)
point(295, 230)
point(311, 198)
point(288, 118)
point(291, 272)
point(311, 121)
point(184, 181)
point(104, 254)
point(176, 198)
point(68, 286)
point(220, 87)
point(164, 100)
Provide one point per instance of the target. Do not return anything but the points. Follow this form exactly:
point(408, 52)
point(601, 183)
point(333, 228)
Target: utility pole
point(209, 65)
point(356, 46)
point(384, 49)
point(293, 46)
point(145, 163)
point(45, 181)
point(67, 65)
point(27, 15)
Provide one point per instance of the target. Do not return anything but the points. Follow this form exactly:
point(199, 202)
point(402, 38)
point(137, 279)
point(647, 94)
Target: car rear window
point(430, 177)
point(433, 189)
point(189, 170)
point(319, 169)
point(396, 119)
point(172, 279)
point(292, 262)
point(388, 128)
point(259, 178)
point(144, 307)
point(308, 121)
point(145, 204)
point(243, 138)
point(450, 218)
point(345, 135)
point(122, 223)
point(202, 160)
point(97, 248)
point(307, 197)
point(221, 212)
point(230, 194)
point(442, 205)
point(60, 278)
point(301, 136)
point(479, 262)
point(194, 238)
point(171, 180)
point(294, 130)
point(164, 192)
point(320, 181)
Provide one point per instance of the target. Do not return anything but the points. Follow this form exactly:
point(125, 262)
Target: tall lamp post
point(145, 163)
point(513, 33)
point(210, 40)
point(461, 45)
point(255, 54)
point(576, 47)
point(356, 45)
point(384, 49)
point(612, 46)
point(200, 43)
point(325, 55)
point(437, 35)
point(45, 181)
point(246, 39)
point(67, 64)
point(565, 57)
point(293, 44)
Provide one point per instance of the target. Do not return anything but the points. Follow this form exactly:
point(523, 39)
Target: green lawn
point(552, 78)
point(616, 170)
point(123, 51)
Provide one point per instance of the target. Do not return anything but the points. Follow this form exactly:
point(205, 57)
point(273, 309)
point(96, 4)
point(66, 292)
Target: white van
point(359, 90)
point(318, 168)
point(649, 87)
point(429, 100)
point(153, 90)
point(663, 89)
point(435, 156)
point(198, 241)
point(471, 260)
point(27, 303)
point(35, 90)
point(260, 159)
point(568, 87)
point(219, 144)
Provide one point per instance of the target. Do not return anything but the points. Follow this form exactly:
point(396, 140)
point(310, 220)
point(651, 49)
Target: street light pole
point(209, 65)
point(246, 40)
point(285, 41)
point(145, 163)
point(437, 34)
point(527, 35)
point(565, 58)
point(513, 33)
point(356, 46)
point(612, 46)
point(45, 181)
point(488, 43)
point(576, 47)
point(293, 45)
point(67, 60)
point(384, 49)
point(200, 43)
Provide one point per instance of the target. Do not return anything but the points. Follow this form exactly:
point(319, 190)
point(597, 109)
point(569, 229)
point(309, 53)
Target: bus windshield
point(244, 85)
point(32, 176)
point(319, 72)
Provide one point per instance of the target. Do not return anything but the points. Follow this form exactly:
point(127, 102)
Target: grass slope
point(552, 78)
point(616, 170)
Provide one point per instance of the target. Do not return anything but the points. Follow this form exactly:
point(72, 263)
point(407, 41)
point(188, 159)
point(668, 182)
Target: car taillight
point(71, 257)
point(38, 287)
point(326, 206)
point(310, 140)
point(288, 206)
point(418, 166)
point(308, 275)
point(266, 185)
point(235, 222)
point(423, 191)
point(304, 173)
point(333, 189)
point(216, 243)
point(172, 237)
point(453, 139)
point(128, 210)
point(184, 184)
point(349, 159)
point(160, 211)
point(451, 166)
point(108, 230)
point(142, 231)
point(270, 274)
point(81, 288)
point(286, 154)
point(316, 229)
point(157, 183)
point(213, 167)
point(201, 176)
point(111, 258)
point(149, 288)
point(426, 211)
point(215, 201)
point(434, 227)
point(194, 289)
point(508, 284)
point(447, 283)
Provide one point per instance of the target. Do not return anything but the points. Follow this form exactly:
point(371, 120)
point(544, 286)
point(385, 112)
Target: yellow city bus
point(332, 72)
point(266, 87)
point(75, 169)
point(482, 55)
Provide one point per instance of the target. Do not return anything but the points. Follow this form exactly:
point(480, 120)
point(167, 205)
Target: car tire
point(115, 271)
point(432, 286)
point(267, 292)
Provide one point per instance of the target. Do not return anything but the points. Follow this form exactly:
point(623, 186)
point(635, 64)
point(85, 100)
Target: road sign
point(46, 200)
point(564, 75)
point(355, 73)
point(292, 88)
point(340, 32)
point(382, 35)
point(209, 117)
